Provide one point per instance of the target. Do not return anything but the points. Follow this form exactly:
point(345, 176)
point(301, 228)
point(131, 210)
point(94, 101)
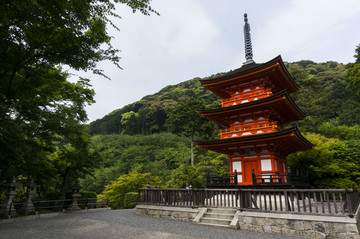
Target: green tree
point(39, 106)
point(185, 120)
point(354, 71)
point(130, 123)
point(126, 183)
point(74, 160)
point(157, 154)
point(357, 54)
point(332, 163)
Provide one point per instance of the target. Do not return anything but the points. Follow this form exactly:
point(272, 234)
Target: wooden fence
point(335, 202)
point(299, 179)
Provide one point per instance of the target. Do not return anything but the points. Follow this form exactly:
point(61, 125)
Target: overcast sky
point(198, 38)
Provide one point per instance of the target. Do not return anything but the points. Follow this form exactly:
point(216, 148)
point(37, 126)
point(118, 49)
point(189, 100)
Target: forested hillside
point(325, 95)
point(150, 114)
point(140, 138)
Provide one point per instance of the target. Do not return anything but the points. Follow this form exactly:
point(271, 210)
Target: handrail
point(266, 92)
point(267, 127)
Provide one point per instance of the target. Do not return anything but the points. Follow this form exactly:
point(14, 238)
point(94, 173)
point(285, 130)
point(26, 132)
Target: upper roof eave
point(250, 68)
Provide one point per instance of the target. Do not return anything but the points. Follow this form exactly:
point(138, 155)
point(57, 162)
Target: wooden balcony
point(249, 130)
point(246, 97)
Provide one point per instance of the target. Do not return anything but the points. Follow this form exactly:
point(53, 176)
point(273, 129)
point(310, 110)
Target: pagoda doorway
point(249, 166)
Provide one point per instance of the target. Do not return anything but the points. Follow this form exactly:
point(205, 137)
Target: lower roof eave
point(283, 135)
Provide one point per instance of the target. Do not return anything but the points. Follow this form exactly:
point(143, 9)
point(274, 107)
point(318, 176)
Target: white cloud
point(307, 29)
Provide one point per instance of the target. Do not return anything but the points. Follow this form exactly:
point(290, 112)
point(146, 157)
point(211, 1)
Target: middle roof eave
point(235, 109)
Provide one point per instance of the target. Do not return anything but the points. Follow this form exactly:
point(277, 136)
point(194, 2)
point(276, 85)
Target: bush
point(130, 200)
point(88, 194)
point(126, 183)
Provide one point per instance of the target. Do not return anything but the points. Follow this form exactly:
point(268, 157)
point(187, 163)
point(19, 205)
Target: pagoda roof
point(281, 103)
point(288, 141)
point(274, 69)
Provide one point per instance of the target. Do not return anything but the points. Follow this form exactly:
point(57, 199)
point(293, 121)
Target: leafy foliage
point(152, 113)
point(354, 72)
point(41, 111)
point(186, 120)
point(210, 162)
point(130, 199)
point(126, 183)
point(157, 154)
point(332, 163)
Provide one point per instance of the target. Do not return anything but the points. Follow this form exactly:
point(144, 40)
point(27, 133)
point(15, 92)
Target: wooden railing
point(249, 130)
point(298, 179)
point(249, 96)
point(335, 202)
point(225, 181)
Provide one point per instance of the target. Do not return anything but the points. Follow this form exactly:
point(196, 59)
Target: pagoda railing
point(252, 129)
point(298, 179)
point(224, 181)
point(332, 202)
point(249, 97)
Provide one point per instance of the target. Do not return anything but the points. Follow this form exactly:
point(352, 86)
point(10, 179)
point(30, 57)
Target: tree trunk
point(192, 149)
point(64, 186)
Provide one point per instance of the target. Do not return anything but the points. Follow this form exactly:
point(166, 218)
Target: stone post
point(76, 195)
point(28, 207)
point(9, 210)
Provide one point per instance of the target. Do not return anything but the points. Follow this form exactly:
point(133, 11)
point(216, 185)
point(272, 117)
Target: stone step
point(217, 221)
point(219, 215)
point(222, 210)
point(213, 225)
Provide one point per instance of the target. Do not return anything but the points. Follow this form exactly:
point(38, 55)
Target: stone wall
point(302, 226)
point(177, 213)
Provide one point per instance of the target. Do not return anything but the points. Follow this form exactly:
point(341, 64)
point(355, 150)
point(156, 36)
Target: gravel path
point(117, 224)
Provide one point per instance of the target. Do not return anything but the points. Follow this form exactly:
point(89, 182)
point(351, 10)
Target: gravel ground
point(117, 224)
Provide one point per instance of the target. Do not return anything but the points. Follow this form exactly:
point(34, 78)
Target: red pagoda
point(255, 105)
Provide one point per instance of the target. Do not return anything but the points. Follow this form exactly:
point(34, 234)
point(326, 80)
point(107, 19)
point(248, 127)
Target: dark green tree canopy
point(187, 121)
point(357, 54)
point(39, 106)
point(354, 71)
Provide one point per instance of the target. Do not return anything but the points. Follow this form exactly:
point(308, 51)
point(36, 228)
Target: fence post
point(253, 176)
point(290, 178)
point(352, 201)
point(207, 178)
point(244, 199)
point(235, 177)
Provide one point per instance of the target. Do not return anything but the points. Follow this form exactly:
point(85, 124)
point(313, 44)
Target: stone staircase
point(219, 217)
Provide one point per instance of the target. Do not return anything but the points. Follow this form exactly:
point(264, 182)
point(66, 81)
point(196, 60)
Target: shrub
point(126, 183)
point(88, 194)
point(130, 199)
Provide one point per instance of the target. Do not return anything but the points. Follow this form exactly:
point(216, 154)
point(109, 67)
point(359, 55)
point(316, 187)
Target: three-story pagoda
point(255, 105)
